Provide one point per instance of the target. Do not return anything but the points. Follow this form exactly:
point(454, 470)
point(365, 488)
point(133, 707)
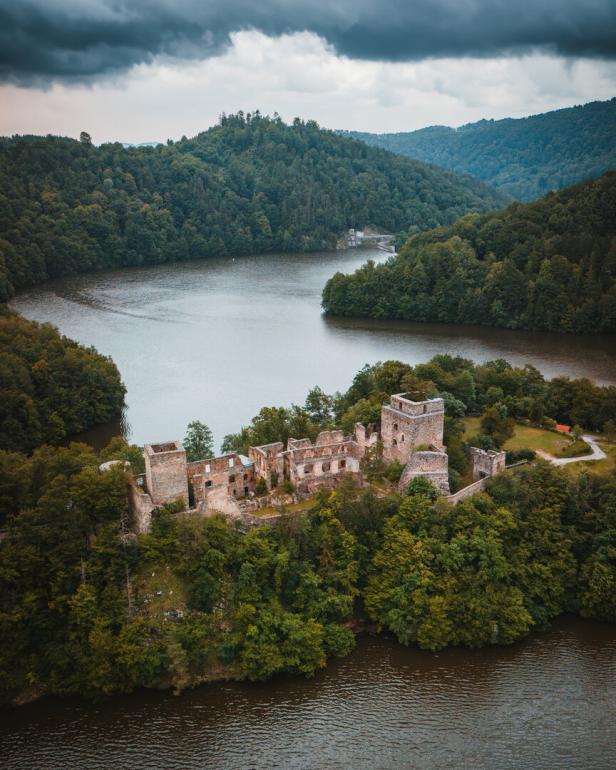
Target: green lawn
point(524, 437)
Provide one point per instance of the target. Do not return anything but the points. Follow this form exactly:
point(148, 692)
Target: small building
point(563, 428)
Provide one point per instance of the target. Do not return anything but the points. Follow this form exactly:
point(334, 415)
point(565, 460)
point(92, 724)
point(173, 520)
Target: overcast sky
point(137, 70)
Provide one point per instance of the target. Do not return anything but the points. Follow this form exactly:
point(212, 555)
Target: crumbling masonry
point(411, 432)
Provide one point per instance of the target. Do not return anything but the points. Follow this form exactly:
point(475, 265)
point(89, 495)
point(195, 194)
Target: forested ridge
point(250, 184)
point(87, 608)
point(548, 265)
point(524, 157)
point(50, 386)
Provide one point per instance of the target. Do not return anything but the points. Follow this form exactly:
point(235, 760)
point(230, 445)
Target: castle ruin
point(411, 432)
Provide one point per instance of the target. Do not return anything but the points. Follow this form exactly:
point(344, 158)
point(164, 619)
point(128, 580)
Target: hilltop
point(250, 184)
point(526, 157)
point(548, 265)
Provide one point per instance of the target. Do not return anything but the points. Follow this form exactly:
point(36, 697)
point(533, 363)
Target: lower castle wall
point(469, 491)
point(431, 465)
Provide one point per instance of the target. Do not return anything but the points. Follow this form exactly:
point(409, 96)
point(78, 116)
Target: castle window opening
point(425, 408)
point(245, 491)
point(231, 478)
point(325, 467)
point(394, 442)
point(343, 463)
point(402, 437)
point(208, 468)
point(245, 477)
point(235, 493)
point(208, 483)
point(395, 426)
point(308, 469)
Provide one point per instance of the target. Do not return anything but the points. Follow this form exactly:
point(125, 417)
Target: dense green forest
point(547, 265)
point(51, 387)
point(88, 608)
point(250, 184)
point(527, 157)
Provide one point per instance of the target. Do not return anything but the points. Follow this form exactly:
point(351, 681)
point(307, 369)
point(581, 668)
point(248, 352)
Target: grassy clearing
point(159, 590)
point(525, 437)
point(271, 510)
point(472, 425)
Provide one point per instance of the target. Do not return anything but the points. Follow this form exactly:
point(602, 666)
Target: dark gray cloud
point(46, 40)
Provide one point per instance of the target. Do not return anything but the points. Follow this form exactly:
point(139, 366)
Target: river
point(216, 340)
point(546, 703)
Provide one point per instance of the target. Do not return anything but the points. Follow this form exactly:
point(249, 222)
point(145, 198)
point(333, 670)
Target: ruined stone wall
point(310, 486)
point(365, 437)
point(472, 489)
point(141, 506)
point(487, 463)
point(165, 472)
point(228, 472)
point(268, 460)
point(311, 465)
point(327, 437)
point(407, 424)
point(433, 466)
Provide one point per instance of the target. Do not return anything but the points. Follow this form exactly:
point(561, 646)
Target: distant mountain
point(526, 157)
point(250, 184)
point(547, 265)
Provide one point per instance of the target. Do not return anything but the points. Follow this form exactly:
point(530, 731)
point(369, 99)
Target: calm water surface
point(216, 340)
point(547, 703)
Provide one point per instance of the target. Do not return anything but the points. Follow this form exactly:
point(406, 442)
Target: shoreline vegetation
point(549, 265)
point(88, 608)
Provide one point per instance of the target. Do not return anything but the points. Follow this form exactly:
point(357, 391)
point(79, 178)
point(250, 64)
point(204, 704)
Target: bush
point(515, 455)
point(576, 448)
point(422, 487)
point(393, 472)
point(481, 441)
point(287, 487)
point(339, 641)
point(261, 488)
point(455, 480)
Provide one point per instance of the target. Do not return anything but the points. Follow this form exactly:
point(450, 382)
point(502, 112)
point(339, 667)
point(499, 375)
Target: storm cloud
point(42, 41)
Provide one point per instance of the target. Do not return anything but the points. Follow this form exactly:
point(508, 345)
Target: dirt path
point(596, 454)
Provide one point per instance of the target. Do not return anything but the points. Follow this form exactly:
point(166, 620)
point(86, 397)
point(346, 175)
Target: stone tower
point(165, 472)
point(487, 463)
point(407, 425)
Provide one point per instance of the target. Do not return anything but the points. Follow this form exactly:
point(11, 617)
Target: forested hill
point(525, 158)
point(547, 265)
point(250, 184)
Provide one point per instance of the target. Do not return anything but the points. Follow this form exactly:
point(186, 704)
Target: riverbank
point(545, 702)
